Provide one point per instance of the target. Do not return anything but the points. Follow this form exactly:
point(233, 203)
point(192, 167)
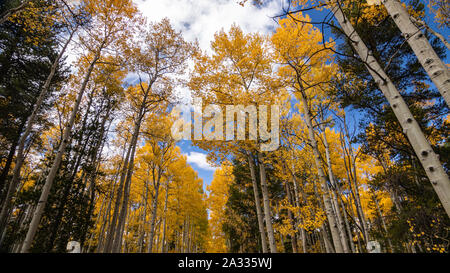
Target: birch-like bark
point(262, 232)
point(340, 222)
point(266, 202)
point(20, 157)
point(433, 65)
point(353, 182)
point(105, 221)
point(429, 160)
point(297, 202)
point(347, 226)
point(323, 180)
point(326, 240)
point(126, 193)
point(158, 233)
point(154, 212)
point(129, 167)
point(383, 222)
point(55, 167)
point(341, 226)
point(291, 218)
point(435, 33)
point(163, 240)
point(113, 224)
point(144, 217)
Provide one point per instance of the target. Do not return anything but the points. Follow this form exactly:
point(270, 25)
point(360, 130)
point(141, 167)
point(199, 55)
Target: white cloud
point(199, 159)
point(201, 19)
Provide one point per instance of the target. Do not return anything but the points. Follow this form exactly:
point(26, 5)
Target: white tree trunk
point(292, 218)
point(266, 202)
point(420, 144)
point(335, 198)
point(110, 236)
point(20, 157)
point(323, 181)
point(353, 183)
point(433, 65)
point(163, 240)
point(298, 192)
point(435, 33)
point(117, 243)
point(55, 167)
point(154, 212)
point(257, 204)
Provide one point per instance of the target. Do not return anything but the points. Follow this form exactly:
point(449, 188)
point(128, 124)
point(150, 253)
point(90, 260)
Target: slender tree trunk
point(9, 161)
point(262, 232)
point(292, 219)
point(297, 202)
point(79, 153)
point(340, 221)
point(317, 160)
point(55, 167)
point(189, 238)
point(347, 225)
point(100, 215)
point(433, 65)
point(105, 221)
point(154, 212)
point(117, 244)
point(130, 167)
point(429, 160)
point(31, 120)
point(334, 198)
point(266, 202)
point(7, 167)
point(91, 177)
point(383, 223)
point(183, 236)
point(324, 232)
point(350, 179)
point(88, 214)
point(113, 224)
point(357, 227)
point(326, 240)
point(353, 183)
point(163, 240)
point(144, 220)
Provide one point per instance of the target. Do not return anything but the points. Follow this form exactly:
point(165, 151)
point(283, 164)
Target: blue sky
point(200, 19)
point(197, 159)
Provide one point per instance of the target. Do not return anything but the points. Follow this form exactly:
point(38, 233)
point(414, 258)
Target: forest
point(359, 93)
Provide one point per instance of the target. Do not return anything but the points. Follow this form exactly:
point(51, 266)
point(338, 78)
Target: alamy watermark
point(212, 128)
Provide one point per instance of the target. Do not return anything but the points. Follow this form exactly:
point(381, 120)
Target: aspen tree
point(257, 203)
point(326, 196)
point(20, 157)
point(162, 55)
point(266, 204)
point(113, 18)
point(307, 69)
point(428, 158)
point(433, 65)
point(165, 153)
point(340, 223)
point(251, 83)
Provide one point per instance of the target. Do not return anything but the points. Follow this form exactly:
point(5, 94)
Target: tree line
point(88, 155)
